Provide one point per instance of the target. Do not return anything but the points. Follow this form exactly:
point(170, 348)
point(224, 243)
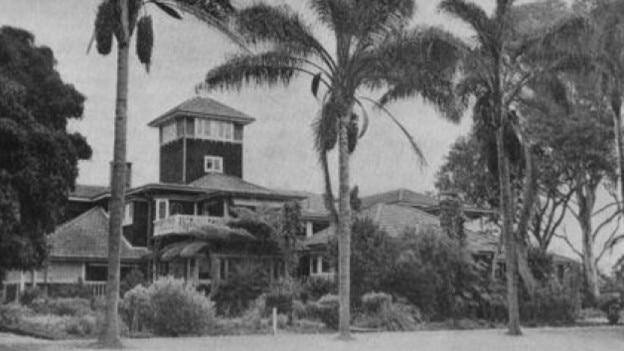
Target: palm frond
point(421, 157)
point(214, 15)
point(336, 14)
point(269, 68)
point(474, 16)
point(374, 20)
point(262, 24)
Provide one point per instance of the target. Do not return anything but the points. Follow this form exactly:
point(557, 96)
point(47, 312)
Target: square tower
point(200, 136)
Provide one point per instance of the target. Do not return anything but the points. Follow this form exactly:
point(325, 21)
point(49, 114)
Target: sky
point(278, 147)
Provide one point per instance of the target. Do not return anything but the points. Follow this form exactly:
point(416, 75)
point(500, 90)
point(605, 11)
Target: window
point(204, 268)
point(96, 273)
point(213, 164)
point(162, 208)
point(176, 208)
point(215, 130)
point(128, 213)
point(169, 133)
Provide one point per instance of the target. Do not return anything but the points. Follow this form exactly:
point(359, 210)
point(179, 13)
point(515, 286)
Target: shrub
point(78, 289)
point(135, 309)
point(373, 256)
point(179, 309)
point(326, 309)
point(10, 314)
point(236, 294)
point(374, 302)
point(313, 288)
point(283, 301)
point(550, 305)
point(83, 326)
point(132, 279)
point(435, 273)
point(30, 294)
point(388, 316)
point(62, 306)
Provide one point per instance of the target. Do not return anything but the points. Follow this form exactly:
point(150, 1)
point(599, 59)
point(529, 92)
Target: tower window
point(213, 164)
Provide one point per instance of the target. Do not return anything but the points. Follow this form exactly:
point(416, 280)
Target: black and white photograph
point(277, 175)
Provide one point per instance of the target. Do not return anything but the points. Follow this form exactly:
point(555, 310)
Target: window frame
point(213, 160)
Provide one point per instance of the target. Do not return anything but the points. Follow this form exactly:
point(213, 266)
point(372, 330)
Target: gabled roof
point(203, 107)
point(86, 237)
point(400, 196)
point(312, 205)
point(88, 192)
point(395, 219)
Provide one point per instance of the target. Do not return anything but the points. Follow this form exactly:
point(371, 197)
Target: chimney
point(128, 175)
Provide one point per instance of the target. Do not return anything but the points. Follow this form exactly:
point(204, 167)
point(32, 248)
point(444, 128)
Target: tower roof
point(203, 107)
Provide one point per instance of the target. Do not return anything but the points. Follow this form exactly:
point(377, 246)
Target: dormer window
point(213, 164)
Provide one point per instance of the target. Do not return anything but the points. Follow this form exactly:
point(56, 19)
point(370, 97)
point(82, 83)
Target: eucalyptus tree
point(118, 19)
point(498, 71)
point(372, 50)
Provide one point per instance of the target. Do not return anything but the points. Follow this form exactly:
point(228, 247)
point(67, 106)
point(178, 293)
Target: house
point(177, 226)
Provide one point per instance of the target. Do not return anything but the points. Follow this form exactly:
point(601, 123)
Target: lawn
point(550, 339)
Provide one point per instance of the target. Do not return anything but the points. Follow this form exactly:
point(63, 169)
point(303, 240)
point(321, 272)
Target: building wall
point(136, 233)
point(58, 272)
point(171, 162)
point(196, 149)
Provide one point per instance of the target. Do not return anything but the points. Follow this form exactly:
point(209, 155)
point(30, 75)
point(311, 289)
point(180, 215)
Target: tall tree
point(508, 58)
point(371, 51)
point(118, 19)
point(39, 157)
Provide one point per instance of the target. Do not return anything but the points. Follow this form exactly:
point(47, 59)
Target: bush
point(326, 309)
point(62, 306)
point(132, 279)
point(550, 305)
point(10, 314)
point(30, 294)
point(83, 326)
point(283, 301)
point(389, 316)
point(313, 288)
point(435, 273)
point(236, 294)
point(179, 309)
point(135, 309)
point(374, 302)
point(78, 289)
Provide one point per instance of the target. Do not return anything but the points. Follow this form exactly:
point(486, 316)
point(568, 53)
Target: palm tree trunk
point(344, 229)
point(109, 335)
point(616, 106)
point(511, 260)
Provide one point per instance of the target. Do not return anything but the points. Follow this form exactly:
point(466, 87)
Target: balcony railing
point(179, 224)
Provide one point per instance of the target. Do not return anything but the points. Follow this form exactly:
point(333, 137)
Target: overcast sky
point(278, 146)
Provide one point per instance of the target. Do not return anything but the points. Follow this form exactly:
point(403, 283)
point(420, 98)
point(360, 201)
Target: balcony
point(179, 224)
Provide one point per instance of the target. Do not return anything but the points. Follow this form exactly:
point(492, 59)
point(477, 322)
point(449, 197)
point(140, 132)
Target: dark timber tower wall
point(200, 136)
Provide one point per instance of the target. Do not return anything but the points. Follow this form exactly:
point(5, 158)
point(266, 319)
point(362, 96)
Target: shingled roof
point(203, 107)
point(400, 196)
point(230, 184)
point(394, 219)
point(86, 237)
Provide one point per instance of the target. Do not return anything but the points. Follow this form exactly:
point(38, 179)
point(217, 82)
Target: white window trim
point(128, 217)
point(158, 202)
point(214, 134)
point(213, 159)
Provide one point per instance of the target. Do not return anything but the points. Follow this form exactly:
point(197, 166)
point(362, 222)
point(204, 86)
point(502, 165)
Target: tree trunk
point(616, 106)
point(586, 198)
point(109, 335)
point(344, 229)
point(511, 260)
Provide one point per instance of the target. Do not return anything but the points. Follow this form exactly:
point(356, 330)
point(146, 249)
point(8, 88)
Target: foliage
point(131, 280)
point(39, 159)
point(552, 304)
point(373, 255)
point(30, 294)
point(74, 307)
point(326, 310)
point(373, 302)
point(313, 288)
point(434, 273)
point(385, 315)
point(179, 309)
point(78, 289)
point(135, 308)
point(245, 284)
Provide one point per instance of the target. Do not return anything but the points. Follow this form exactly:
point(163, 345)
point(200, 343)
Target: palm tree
point(497, 72)
point(372, 50)
point(118, 19)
